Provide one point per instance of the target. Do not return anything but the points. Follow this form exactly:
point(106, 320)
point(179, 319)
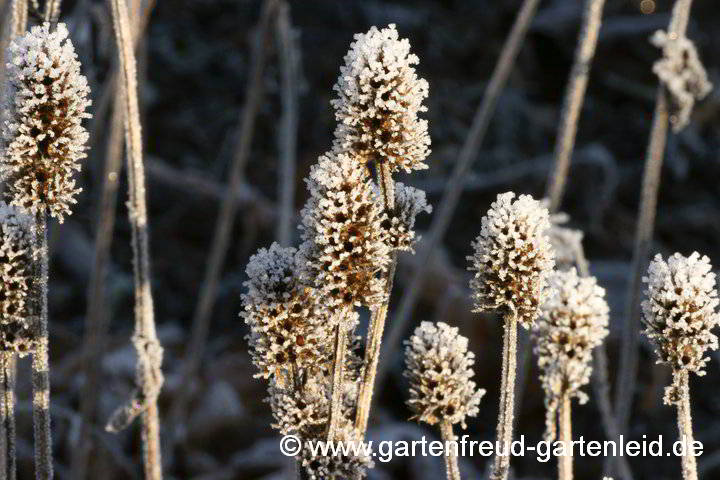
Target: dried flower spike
point(16, 263)
point(43, 137)
point(439, 367)
point(345, 246)
point(409, 202)
point(290, 330)
point(351, 459)
point(682, 73)
point(680, 312)
point(513, 258)
point(379, 98)
point(573, 322)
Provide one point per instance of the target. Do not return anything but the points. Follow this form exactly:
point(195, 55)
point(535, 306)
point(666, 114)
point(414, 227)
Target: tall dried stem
point(452, 471)
point(7, 416)
point(338, 380)
point(574, 97)
point(453, 188)
point(625, 385)
point(225, 220)
point(149, 351)
point(52, 10)
point(287, 135)
point(501, 462)
point(565, 462)
point(684, 420)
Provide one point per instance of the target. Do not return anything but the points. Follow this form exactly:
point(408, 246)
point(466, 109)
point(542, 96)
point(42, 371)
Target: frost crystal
point(379, 98)
point(16, 329)
point(513, 258)
point(345, 246)
point(439, 367)
point(573, 322)
point(409, 202)
point(42, 133)
point(289, 328)
point(682, 73)
point(680, 312)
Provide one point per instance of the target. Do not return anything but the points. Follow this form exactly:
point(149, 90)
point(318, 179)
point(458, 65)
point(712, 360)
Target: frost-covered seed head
point(573, 322)
point(566, 242)
point(439, 367)
point(344, 245)
point(683, 75)
point(409, 202)
point(303, 413)
point(289, 326)
point(680, 311)
point(16, 329)
point(341, 466)
point(513, 258)
point(43, 139)
point(379, 98)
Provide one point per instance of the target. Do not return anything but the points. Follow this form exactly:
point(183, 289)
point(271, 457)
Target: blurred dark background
point(194, 64)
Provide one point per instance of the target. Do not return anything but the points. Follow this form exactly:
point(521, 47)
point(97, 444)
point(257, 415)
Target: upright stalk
point(689, 463)
point(40, 358)
point(501, 462)
point(574, 97)
point(625, 385)
point(52, 10)
point(377, 318)
point(454, 186)
point(452, 470)
point(149, 351)
point(7, 416)
point(565, 462)
point(338, 380)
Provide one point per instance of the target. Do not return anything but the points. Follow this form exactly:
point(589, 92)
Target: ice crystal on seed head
point(16, 329)
point(680, 311)
point(379, 98)
point(344, 245)
point(409, 202)
point(350, 462)
point(513, 258)
point(682, 73)
point(289, 326)
point(573, 322)
point(43, 139)
point(439, 367)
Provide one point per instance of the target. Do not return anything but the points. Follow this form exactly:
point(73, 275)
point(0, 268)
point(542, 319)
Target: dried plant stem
point(287, 134)
point(14, 25)
point(97, 317)
point(148, 347)
point(689, 463)
point(625, 386)
point(52, 10)
point(7, 419)
point(378, 318)
point(501, 462)
point(453, 188)
point(338, 380)
point(565, 462)
point(574, 97)
point(40, 358)
point(224, 222)
point(451, 461)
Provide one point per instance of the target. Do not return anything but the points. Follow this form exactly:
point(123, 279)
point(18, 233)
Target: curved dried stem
point(501, 462)
point(625, 386)
point(454, 186)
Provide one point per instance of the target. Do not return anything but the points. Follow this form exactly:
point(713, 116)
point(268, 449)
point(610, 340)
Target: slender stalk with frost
point(149, 375)
point(7, 415)
point(512, 262)
point(52, 10)
point(442, 392)
point(679, 313)
point(574, 97)
point(453, 188)
point(682, 80)
point(565, 462)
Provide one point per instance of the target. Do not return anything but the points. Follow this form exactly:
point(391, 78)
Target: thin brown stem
point(7, 413)
point(454, 187)
point(452, 471)
point(625, 386)
point(338, 380)
point(565, 462)
point(689, 462)
point(501, 462)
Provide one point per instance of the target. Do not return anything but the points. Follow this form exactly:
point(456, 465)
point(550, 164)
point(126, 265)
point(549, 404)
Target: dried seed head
point(43, 137)
point(289, 326)
point(16, 319)
point(566, 242)
point(683, 75)
point(379, 98)
point(513, 258)
point(680, 312)
point(304, 412)
point(409, 202)
point(345, 246)
point(352, 461)
point(439, 367)
point(573, 322)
